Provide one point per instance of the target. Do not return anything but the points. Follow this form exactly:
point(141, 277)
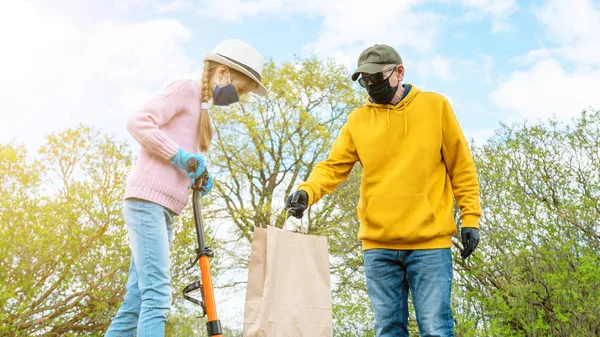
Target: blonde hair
point(242, 83)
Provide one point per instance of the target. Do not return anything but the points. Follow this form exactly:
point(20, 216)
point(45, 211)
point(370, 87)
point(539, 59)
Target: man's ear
point(400, 71)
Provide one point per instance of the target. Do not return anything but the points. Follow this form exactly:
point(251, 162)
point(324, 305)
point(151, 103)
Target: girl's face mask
point(226, 95)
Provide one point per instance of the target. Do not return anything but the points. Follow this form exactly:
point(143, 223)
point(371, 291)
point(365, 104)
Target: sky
point(66, 62)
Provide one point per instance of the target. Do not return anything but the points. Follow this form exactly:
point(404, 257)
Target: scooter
point(203, 255)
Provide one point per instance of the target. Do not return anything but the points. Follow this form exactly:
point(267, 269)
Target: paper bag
point(289, 290)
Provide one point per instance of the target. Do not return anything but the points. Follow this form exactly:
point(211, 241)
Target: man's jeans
point(148, 298)
point(427, 273)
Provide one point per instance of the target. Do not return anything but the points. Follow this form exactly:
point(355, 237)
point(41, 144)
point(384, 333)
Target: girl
point(171, 128)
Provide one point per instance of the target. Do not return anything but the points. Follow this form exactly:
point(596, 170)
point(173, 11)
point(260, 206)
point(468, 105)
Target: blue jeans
point(427, 273)
point(148, 298)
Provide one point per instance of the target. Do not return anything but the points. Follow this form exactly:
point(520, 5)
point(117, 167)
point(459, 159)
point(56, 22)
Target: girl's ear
point(221, 71)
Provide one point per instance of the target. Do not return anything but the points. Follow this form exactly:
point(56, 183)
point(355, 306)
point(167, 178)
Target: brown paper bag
point(289, 290)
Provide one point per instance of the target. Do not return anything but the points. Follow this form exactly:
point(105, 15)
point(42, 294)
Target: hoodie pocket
point(400, 218)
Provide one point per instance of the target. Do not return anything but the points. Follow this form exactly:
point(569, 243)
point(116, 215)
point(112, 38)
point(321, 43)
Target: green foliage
point(62, 233)
point(537, 270)
point(266, 146)
point(64, 254)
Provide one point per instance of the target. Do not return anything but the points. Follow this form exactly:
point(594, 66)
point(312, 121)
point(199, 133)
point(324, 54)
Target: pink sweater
point(163, 124)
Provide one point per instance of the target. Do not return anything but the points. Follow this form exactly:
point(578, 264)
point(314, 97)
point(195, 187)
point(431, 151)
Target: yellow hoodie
point(415, 158)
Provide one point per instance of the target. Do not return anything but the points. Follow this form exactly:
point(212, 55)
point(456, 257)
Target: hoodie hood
point(401, 107)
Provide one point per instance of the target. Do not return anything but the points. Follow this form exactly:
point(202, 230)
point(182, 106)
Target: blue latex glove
point(181, 160)
point(208, 185)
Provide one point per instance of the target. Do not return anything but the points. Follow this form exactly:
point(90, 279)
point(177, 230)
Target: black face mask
point(382, 93)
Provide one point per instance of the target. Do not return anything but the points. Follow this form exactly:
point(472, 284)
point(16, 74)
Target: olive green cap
point(372, 59)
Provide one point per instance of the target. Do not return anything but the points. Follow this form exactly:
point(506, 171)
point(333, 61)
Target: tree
point(63, 237)
point(65, 254)
point(264, 147)
point(537, 272)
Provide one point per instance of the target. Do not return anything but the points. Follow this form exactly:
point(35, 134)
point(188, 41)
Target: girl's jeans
point(147, 301)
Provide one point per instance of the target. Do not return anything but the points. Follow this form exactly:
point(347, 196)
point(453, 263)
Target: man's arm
point(461, 168)
point(332, 171)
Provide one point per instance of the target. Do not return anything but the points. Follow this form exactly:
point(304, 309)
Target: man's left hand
point(470, 240)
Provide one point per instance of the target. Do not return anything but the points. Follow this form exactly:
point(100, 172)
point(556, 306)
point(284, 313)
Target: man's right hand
point(297, 203)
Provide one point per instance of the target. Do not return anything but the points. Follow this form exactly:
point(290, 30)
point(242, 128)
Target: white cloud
point(235, 10)
point(498, 10)
point(575, 27)
point(449, 69)
point(144, 51)
point(398, 24)
point(39, 85)
point(548, 89)
point(487, 67)
point(159, 6)
point(126, 5)
point(348, 26)
point(56, 74)
point(564, 78)
point(584, 51)
point(172, 5)
point(532, 56)
point(438, 67)
point(568, 21)
point(479, 136)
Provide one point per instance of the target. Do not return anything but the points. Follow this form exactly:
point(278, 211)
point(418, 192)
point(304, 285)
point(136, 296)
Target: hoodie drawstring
point(403, 107)
point(388, 117)
point(405, 120)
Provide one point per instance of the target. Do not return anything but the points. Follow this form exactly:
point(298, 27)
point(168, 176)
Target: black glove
point(297, 203)
point(470, 240)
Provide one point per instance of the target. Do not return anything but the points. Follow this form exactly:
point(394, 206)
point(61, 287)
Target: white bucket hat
point(242, 57)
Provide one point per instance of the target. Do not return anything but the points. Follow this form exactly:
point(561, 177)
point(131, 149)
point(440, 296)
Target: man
point(415, 159)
